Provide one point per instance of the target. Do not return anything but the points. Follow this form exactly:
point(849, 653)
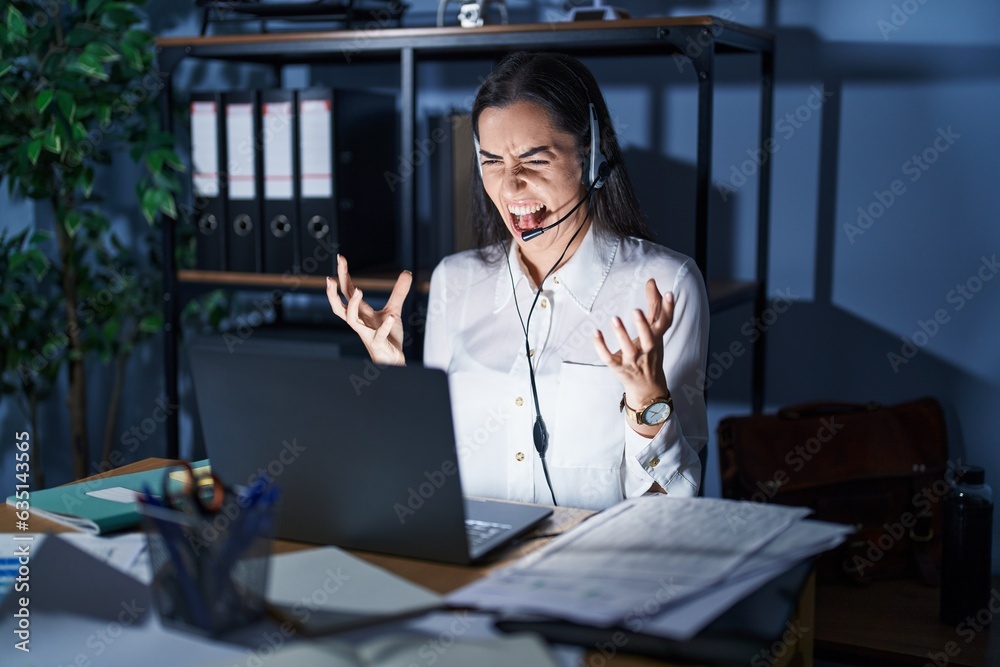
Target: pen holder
point(209, 570)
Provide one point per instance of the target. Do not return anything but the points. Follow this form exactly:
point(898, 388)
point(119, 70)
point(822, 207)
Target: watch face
point(656, 414)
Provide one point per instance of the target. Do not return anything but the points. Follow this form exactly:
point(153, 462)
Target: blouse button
point(655, 462)
point(555, 279)
point(519, 456)
point(545, 303)
point(518, 401)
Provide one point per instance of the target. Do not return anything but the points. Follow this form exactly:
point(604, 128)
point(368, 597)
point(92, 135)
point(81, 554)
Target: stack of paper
point(667, 565)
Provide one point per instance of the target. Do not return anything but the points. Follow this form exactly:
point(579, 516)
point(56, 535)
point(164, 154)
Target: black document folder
point(367, 172)
point(280, 202)
point(348, 182)
point(207, 184)
point(243, 233)
point(452, 167)
point(317, 214)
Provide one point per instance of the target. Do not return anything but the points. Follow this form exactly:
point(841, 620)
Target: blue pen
point(173, 538)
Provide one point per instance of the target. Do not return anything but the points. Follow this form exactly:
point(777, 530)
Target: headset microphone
point(598, 182)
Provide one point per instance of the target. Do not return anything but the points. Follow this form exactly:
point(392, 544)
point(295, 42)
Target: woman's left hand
point(639, 363)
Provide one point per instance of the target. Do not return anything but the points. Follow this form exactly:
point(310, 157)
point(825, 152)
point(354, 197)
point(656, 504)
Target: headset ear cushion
point(597, 171)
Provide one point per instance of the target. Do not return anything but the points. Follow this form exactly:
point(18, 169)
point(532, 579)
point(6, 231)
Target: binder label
point(204, 149)
point(239, 152)
point(316, 149)
point(278, 150)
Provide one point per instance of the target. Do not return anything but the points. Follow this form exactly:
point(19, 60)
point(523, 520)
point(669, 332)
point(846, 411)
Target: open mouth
point(525, 217)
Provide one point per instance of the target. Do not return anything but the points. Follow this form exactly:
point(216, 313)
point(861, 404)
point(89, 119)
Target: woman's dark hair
point(564, 87)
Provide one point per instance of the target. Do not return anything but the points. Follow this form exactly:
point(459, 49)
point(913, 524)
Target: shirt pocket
point(588, 431)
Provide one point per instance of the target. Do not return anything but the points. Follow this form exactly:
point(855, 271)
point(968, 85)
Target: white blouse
point(594, 458)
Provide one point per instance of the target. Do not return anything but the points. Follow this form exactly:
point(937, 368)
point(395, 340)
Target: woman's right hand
point(381, 331)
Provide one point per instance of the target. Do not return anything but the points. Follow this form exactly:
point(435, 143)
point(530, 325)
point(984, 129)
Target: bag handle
point(817, 408)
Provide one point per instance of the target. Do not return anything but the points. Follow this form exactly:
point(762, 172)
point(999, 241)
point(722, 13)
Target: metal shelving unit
point(699, 39)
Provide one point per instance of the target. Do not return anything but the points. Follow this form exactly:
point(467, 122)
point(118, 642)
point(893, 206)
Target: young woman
point(525, 325)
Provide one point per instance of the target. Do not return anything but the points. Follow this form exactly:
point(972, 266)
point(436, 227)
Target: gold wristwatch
point(653, 413)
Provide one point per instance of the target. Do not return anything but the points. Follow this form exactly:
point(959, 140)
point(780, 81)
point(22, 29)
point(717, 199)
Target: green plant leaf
point(67, 105)
point(9, 92)
point(154, 160)
point(16, 262)
point(111, 328)
point(89, 66)
point(5, 66)
point(150, 204)
point(8, 140)
point(34, 150)
point(93, 6)
point(167, 205)
point(118, 15)
point(101, 52)
point(43, 100)
point(173, 160)
point(131, 56)
point(52, 142)
point(16, 24)
point(38, 262)
point(40, 236)
point(72, 222)
point(151, 323)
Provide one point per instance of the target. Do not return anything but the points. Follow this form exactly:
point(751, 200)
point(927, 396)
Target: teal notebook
point(97, 506)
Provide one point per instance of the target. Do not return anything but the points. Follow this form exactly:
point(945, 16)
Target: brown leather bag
point(879, 468)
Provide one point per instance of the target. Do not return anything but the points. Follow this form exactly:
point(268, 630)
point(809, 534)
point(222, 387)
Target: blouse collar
point(581, 277)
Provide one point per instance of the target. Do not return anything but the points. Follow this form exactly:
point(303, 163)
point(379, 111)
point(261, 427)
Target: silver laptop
point(365, 455)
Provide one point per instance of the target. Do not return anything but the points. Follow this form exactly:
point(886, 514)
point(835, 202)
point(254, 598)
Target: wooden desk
point(444, 578)
point(896, 623)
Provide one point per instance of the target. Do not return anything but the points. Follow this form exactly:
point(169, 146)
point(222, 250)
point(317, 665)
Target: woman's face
point(531, 172)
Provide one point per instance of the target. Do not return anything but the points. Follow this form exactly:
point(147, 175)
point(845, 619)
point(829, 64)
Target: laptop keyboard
point(480, 531)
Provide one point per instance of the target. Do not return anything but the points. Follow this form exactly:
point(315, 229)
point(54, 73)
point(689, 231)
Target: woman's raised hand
point(638, 364)
point(381, 331)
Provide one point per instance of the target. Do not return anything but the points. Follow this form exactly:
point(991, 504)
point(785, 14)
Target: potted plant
point(78, 85)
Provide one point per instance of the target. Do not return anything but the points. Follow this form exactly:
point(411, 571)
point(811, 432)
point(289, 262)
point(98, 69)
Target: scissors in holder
point(201, 493)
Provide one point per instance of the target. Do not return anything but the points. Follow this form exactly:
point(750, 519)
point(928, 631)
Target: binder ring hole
point(280, 226)
point(318, 227)
point(207, 224)
point(242, 225)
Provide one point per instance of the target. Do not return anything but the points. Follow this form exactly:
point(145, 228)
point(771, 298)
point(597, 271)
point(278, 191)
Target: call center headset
point(595, 173)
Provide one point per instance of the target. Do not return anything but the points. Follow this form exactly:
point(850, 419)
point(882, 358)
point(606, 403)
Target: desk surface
point(444, 578)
